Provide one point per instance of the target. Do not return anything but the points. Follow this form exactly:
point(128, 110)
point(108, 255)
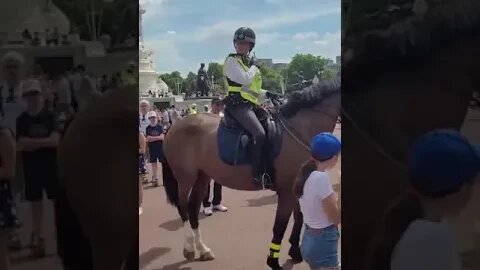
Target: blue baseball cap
point(325, 146)
point(442, 161)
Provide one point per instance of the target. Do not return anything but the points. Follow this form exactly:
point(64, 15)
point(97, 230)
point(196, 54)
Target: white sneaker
point(220, 208)
point(140, 210)
point(207, 211)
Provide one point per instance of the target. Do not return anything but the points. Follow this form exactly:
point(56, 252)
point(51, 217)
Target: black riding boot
point(258, 168)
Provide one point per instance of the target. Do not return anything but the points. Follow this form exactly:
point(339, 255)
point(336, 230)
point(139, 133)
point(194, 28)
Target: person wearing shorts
point(37, 138)
point(154, 135)
point(141, 169)
point(319, 204)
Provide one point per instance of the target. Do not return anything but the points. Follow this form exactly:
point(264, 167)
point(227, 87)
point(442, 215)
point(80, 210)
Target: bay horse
point(98, 168)
point(192, 159)
point(404, 74)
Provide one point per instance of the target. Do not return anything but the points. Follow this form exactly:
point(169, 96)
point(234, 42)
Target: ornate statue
point(203, 84)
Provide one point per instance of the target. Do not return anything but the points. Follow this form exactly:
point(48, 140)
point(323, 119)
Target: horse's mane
point(310, 97)
point(399, 39)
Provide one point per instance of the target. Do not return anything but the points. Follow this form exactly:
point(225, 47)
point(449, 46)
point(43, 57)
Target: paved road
point(21, 260)
point(239, 238)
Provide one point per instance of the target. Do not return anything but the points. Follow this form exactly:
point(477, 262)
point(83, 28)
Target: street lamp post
point(285, 78)
point(213, 82)
point(178, 86)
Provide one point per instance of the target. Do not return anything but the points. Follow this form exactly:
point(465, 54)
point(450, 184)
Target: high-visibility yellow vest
point(249, 92)
point(193, 111)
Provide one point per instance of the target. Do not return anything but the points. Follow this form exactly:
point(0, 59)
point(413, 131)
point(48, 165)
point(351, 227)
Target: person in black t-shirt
point(217, 108)
point(37, 138)
point(154, 134)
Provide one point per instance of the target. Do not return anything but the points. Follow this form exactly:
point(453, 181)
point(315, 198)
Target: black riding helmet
point(245, 34)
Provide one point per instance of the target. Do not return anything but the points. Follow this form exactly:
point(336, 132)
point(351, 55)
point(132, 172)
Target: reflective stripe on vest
point(249, 92)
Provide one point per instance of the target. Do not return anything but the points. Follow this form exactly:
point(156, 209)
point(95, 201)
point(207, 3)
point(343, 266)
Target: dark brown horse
point(409, 76)
point(192, 159)
point(98, 169)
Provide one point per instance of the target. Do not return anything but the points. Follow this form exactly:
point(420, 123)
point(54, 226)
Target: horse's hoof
point(295, 254)
point(207, 256)
point(189, 255)
point(273, 263)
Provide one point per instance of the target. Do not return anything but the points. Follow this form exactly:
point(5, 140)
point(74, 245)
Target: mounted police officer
point(244, 96)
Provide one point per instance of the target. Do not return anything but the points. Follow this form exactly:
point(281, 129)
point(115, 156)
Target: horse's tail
point(170, 183)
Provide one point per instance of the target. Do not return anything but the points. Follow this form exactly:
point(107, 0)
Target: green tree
point(272, 80)
point(329, 73)
point(174, 81)
point(307, 64)
point(189, 84)
point(92, 18)
point(215, 70)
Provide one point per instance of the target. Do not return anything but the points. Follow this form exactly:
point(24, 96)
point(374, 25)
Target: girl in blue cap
point(318, 203)
point(442, 167)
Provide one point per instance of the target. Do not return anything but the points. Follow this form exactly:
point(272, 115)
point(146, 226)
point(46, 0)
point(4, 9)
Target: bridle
point(298, 138)
point(291, 132)
point(294, 134)
point(372, 142)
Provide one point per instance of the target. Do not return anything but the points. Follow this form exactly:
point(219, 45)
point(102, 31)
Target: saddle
point(234, 142)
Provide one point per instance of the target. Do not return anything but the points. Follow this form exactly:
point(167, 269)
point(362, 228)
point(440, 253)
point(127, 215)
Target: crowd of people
point(153, 124)
point(35, 109)
point(53, 37)
point(30, 116)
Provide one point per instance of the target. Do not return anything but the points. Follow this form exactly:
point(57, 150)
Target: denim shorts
point(320, 247)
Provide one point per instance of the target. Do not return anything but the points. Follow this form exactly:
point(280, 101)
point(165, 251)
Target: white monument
point(34, 15)
point(149, 80)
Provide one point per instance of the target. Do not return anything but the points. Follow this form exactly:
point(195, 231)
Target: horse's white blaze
point(199, 243)
point(188, 237)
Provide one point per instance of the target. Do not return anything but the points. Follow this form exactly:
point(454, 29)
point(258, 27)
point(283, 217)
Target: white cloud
point(220, 61)
point(329, 38)
point(225, 29)
point(305, 36)
point(217, 36)
point(328, 45)
point(154, 8)
point(151, 2)
point(267, 38)
point(167, 54)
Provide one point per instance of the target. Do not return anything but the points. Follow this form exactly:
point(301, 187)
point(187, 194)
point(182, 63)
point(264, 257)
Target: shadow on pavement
point(176, 224)
point(175, 266)
point(288, 265)
point(152, 254)
point(150, 187)
point(265, 200)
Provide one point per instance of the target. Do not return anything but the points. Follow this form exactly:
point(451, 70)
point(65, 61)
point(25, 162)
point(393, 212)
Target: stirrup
point(264, 178)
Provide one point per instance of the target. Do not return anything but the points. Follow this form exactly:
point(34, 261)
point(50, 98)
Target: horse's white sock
point(188, 237)
point(199, 243)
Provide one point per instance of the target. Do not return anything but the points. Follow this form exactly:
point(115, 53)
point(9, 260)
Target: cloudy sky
point(185, 33)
